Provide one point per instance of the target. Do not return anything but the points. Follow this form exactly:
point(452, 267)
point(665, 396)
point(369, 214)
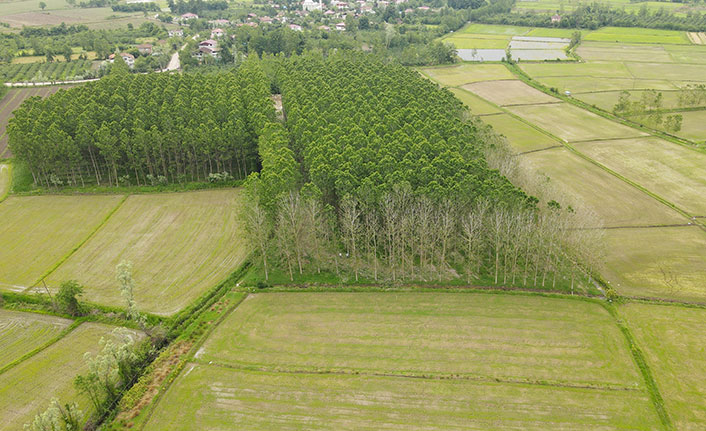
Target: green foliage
point(67, 297)
point(57, 418)
point(177, 127)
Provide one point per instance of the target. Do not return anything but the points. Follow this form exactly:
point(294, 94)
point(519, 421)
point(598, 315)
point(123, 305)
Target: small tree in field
point(127, 287)
point(42, 5)
point(67, 298)
point(57, 418)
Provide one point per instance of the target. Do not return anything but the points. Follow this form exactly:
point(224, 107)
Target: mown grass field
point(510, 362)
point(37, 232)
point(614, 201)
point(478, 41)
point(606, 51)
point(606, 100)
point(210, 397)
point(505, 93)
point(582, 84)
point(677, 72)
point(658, 262)
point(692, 126)
point(596, 69)
point(521, 136)
point(27, 388)
point(474, 103)
point(474, 335)
point(573, 124)
point(674, 340)
point(455, 76)
point(20, 333)
point(180, 244)
point(674, 172)
point(637, 35)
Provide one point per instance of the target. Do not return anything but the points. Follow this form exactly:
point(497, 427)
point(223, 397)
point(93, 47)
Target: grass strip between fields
point(66, 331)
point(641, 363)
point(73, 250)
point(7, 167)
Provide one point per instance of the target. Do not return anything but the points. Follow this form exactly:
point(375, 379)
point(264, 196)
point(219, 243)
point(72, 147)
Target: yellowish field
point(216, 398)
point(673, 340)
point(37, 232)
point(592, 51)
point(573, 124)
point(596, 69)
point(671, 72)
point(665, 262)
point(674, 172)
point(580, 84)
point(27, 388)
point(467, 73)
point(693, 126)
point(474, 103)
point(520, 136)
point(4, 180)
point(180, 244)
point(615, 201)
point(21, 333)
point(505, 93)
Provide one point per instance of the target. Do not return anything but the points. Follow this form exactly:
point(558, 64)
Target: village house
point(210, 44)
point(295, 27)
point(324, 28)
point(176, 33)
point(187, 16)
point(556, 18)
point(341, 26)
point(217, 32)
point(341, 5)
point(309, 5)
point(204, 51)
point(145, 49)
point(129, 59)
point(266, 20)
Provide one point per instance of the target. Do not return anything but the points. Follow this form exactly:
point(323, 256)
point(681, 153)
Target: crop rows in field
point(12, 100)
point(21, 333)
point(41, 72)
point(347, 360)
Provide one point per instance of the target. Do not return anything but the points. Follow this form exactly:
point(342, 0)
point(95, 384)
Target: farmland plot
point(210, 397)
point(475, 104)
point(692, 127)
point(180, 244)
point(475, 335)
point(467, 73)
point(674, 172)
point(660, 262)
point(266, 366)
point(592, 51)
point(512, 92)
point(20, 333)
point(4, 180)
point(27, 388)
point(673, 339)
point(582, 84)
point(573, 124)
point(583, 183)
point(520, 136)
point(36, 232)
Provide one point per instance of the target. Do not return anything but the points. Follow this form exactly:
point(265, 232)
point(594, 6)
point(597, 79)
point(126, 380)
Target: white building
point(309, 5)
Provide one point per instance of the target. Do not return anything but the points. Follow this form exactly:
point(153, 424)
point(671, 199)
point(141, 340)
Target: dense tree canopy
point(145, 128)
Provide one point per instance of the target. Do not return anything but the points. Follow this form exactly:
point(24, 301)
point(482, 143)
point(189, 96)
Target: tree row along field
point(415, 360)
point(610, 168)
point(180, 244)
point(11, 101)
point(27, 387)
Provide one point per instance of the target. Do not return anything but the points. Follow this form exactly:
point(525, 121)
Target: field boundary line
point(66, 331)
point(79, 245)
point(538, 150)
point(7, 103)
point(169, 380)
point(420, 376)
point(643, 367)
point(8, 166)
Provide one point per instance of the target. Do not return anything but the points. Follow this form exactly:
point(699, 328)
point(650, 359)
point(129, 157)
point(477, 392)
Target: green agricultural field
point(573, 124)
point(565, 33)
point(21, 333)
point(592, 51)
point(582, 183)
point(474, 335)
point(637, 35)
point(665, 262)
point(693, 126)
point(180, 244)
point(687, 54)
point(595, 69)
point(521, 136)
point(674, 172)
point(509, 30)
point(671, 72)
point(673, 340)
point(478, 41)
point(606, 100)
point(37, 232)
point(453, 76)
point(27, 388)
point(582, 84)
point(505, 93)
point(475, 104)
point(210, 397)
